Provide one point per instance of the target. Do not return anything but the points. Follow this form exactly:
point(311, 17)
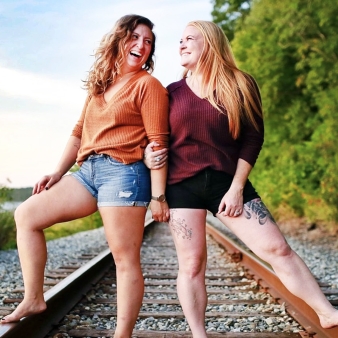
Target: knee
point(193, 266)
point(278, 249)
point(22, 216)
point(125, 262)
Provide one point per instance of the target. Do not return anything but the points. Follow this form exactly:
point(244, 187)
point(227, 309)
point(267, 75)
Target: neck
point(195, 83)
point(126, 74)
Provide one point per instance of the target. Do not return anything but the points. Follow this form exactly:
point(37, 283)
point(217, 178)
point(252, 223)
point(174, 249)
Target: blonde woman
point(216, 134)
point(125, 108)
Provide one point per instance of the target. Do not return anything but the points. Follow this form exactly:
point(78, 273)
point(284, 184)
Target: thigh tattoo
point(179, 226)
point(256, 208)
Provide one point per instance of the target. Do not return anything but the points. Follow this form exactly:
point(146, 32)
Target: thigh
point(188, 229)
point(64, 201)
point(124, 227)
point(256, 228)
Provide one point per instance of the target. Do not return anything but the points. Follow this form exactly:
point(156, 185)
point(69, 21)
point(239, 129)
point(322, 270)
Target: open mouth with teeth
point(136, 54)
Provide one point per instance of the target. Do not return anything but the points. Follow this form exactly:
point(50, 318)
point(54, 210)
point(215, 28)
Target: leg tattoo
point(256, 208)
point(179, 226)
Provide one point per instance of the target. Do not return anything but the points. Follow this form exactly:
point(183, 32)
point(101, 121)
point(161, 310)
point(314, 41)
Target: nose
point(182, 46)
point(140, 43)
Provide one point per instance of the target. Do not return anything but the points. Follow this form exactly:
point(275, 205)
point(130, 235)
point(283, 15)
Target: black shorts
point(205, 190)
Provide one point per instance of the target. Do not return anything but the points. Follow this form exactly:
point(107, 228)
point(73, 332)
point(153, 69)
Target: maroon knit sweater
point(200, 138)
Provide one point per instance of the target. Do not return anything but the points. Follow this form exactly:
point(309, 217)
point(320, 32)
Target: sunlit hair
point(235, 90)
point(111, 54)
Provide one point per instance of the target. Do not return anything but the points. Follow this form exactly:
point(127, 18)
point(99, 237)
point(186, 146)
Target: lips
point(136, 54)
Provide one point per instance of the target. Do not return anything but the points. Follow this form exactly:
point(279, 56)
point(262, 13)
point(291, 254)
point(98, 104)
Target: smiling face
point(138, 49)
point(191, 47)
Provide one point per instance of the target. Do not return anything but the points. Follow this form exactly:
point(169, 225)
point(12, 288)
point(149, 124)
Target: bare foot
point(24, 309)
point(330, 321)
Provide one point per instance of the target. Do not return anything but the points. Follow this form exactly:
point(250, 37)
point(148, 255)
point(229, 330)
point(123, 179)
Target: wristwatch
point(160, 198)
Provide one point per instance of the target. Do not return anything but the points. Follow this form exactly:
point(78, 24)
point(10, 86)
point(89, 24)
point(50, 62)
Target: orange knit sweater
point(121, 128)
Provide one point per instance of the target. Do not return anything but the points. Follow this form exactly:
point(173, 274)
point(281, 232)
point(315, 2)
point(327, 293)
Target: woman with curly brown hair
point(125, 109)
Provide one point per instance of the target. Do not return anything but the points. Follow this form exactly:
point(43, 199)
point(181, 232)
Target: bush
point(7, 230)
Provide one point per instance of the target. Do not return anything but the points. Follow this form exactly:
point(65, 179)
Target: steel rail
point(62, 297)
point(267, 278)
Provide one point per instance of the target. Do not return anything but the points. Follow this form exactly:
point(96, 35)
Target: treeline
point(291, 48)
point(20, 194)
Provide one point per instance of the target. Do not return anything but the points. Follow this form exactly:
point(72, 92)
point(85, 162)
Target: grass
point(69, 228)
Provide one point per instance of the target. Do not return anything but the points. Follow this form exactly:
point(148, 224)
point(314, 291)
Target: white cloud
point(42, 89)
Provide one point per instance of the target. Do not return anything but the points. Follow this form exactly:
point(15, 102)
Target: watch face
point(161, 198)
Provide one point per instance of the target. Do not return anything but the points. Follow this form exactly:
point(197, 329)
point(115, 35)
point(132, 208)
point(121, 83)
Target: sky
point(46, 50)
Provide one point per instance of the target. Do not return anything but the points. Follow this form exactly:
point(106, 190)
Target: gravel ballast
point(319, 252)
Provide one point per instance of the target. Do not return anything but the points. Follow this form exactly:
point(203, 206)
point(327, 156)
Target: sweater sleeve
point(77, 130)
point(155, 112)
point(251, 138)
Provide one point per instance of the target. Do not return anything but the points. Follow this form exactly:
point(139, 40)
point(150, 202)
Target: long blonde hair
point(235, 90)
point(110, 54)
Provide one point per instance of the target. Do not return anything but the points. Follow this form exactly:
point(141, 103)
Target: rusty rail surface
point(267, 278)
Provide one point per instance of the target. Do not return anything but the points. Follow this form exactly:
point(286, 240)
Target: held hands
point(46, 182)
point(155, 159)
point(232, 203)
point(160, 211)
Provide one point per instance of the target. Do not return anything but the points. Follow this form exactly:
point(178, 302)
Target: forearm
point(69, 155)
point(242, 173)
point(158, 180)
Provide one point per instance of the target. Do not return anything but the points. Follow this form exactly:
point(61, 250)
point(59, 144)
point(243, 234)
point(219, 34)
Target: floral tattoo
point(179, 226)
point(256, 208)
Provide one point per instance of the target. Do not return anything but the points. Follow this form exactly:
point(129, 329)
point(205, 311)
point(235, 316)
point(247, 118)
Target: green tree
point(291, 48)
point(229, 13)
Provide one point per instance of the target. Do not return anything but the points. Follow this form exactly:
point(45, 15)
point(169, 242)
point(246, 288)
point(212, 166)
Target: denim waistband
point(93, 156)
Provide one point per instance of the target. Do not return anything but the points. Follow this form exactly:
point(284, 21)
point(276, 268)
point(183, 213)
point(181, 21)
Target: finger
point(237, 212)
point(158, 166)
point(226, 211)
point(150, 146)
point(221, 207)
point(49, 184)
point(163, 159)
point(35, 189)
point(39, 188)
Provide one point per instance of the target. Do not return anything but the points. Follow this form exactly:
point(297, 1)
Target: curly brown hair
point(110, 55)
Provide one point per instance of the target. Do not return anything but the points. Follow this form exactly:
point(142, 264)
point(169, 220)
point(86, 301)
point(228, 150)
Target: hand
point(232, 203)
point(46, 182)
point(160, 211)
point(155, 159)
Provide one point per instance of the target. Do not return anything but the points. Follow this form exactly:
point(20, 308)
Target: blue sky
point(45, 52)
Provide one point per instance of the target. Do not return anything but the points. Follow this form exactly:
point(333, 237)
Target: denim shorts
point(113, 183)
point(205, 190)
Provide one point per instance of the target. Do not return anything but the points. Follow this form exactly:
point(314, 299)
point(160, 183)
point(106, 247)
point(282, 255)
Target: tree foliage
point(228, 14)
point(291, 48)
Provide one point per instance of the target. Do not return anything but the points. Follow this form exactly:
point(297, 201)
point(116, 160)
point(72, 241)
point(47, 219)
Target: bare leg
point(124, 228)
point(257, 229)
point(188, 230)
point(66, 200)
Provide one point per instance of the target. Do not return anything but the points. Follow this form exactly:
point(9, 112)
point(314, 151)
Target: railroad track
point(243, 295)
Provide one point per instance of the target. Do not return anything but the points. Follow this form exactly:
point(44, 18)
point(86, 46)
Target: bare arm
point(233, 199)
point(67, 160)
point(159, 210)
point(157, 162)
